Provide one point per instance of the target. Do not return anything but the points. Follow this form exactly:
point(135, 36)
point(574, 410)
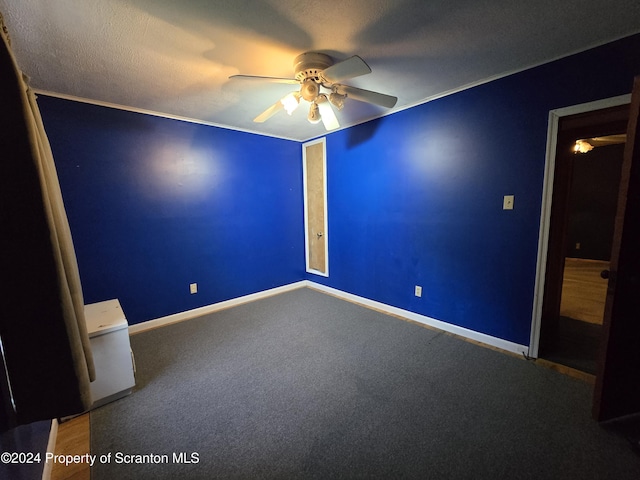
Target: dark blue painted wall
point(415, 198)
point(156, 204)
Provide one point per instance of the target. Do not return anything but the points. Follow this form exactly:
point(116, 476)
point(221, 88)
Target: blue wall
point(156, 204)
point(415, 198)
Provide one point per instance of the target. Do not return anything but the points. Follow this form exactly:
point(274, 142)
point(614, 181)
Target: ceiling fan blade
point(349, 68)
point(269, 112)
point(290, 81)
point(327, 115)
point(368, 96)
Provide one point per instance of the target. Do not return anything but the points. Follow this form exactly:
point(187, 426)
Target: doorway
point(579, 207)
point(571, 335)
point(616, 391)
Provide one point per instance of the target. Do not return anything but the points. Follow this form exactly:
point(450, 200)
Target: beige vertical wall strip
point(315, 206)
point(315, 181)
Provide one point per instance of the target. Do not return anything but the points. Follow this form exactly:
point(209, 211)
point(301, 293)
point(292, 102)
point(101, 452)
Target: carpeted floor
point(305, 385)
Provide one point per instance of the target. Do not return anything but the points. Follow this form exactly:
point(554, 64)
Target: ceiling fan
point(319, 79)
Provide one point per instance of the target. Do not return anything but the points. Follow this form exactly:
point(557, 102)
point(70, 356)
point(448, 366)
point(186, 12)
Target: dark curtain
point(45, 362)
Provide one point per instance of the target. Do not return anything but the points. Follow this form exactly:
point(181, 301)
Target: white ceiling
point(174, 57)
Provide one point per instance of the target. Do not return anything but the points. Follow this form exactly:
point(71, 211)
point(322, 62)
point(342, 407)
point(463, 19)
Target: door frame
point(306, 219)
point(545, 213)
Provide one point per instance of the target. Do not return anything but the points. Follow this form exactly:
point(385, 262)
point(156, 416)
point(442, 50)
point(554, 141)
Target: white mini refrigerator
point(109, 337)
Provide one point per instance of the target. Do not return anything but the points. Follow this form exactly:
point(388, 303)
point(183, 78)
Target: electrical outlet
point(418, 291)
point(507, 203)
point(193, 288)
point(578, 246)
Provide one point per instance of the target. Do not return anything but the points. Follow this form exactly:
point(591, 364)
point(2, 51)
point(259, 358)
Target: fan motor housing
point(310, 65)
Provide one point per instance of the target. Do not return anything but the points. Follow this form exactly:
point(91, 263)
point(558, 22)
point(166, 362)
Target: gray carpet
point(305, 385)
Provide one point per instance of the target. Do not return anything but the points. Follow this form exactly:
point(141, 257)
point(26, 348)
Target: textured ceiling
point(175, 57)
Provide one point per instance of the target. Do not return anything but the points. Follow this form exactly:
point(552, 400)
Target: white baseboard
point(416, 317)
point(432, 322)
point(51, 448)
point(198, 312)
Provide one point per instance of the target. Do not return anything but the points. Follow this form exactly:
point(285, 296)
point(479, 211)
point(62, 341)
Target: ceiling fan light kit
point(337, 100)
point(309, 90)
point(290, 102)
point(327, 114)
point(314, 113)
point(314, 71)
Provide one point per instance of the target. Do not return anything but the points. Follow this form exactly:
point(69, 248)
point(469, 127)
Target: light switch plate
point(507, 204)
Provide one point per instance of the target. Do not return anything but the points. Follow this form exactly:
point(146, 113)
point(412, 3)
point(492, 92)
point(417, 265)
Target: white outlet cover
point(507, 203)
point(418, 291)
point(193, 287)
